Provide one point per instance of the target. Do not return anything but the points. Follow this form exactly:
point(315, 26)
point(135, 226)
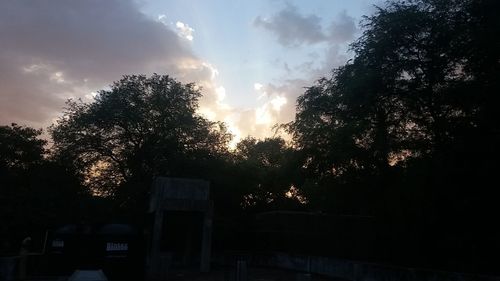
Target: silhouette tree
point(405, 130)
point(20, 147)
point(270, 174)
point(142, 127)
point(36, 193)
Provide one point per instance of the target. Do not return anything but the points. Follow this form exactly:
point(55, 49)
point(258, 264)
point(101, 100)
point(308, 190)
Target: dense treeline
point(35, 192)
point(406, 132)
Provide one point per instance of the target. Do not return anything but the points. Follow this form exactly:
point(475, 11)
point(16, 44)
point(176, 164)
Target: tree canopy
point(20, 147)
point(141, 127)
point(35, 191)
point(270, 174)
point(405, 130)
point(413, 90)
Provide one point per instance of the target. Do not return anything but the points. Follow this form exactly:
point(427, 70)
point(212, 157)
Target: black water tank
point(120, 250)
point(70, 247)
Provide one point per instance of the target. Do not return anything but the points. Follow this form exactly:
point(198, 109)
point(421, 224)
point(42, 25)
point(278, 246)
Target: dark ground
point(254, 274)
point(223, 274)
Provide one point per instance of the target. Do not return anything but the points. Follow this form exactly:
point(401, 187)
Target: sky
point(251, 58)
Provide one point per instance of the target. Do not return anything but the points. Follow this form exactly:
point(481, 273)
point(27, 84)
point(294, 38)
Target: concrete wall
point(358, 271)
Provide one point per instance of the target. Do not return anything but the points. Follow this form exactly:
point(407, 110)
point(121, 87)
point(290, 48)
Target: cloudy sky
point(252, 58)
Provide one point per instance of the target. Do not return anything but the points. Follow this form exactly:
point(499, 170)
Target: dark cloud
point(293, 29)
point(342, 29)
point(18, 102)
point(51, 50)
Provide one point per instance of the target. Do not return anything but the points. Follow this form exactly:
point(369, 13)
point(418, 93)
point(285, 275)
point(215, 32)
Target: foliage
point(269, 174)
point(20, 147)
point(405, 130)
point(411, 91)
point(140, 128)
point(35, 192)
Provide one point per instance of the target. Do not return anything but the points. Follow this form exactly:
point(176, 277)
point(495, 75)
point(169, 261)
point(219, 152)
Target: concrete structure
point(176, 194)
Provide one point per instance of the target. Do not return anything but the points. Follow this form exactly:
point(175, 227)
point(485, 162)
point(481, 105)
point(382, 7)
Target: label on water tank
point(110, 247)
point(57, 243)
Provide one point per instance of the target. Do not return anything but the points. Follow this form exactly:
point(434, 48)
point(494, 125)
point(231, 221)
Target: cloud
point(163, 19)
point(276, 105)
point(332, 57)
point(277, 100)
point(257, 86)
point(282, 97)
point(52, 50)
point(293, 29)
point(342, 29)
point(185, 30)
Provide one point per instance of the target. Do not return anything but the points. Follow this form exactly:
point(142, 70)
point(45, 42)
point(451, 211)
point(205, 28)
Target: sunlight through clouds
point(257, 86)
point(207, 113)
point(221, 93)
point(263, 115)
point(278, 102)
point(238, 84)
point(234, 130)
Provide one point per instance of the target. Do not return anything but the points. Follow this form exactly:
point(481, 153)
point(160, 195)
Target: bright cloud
point(278, 102)
point(234, 130)
point(263, 115)
point(221, 93)
point(268, 113)
point(184, 30)
point(207, 113)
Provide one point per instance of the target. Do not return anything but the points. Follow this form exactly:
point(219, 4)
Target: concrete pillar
point(241, 273)
point(206, 240)
point(154, 264)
